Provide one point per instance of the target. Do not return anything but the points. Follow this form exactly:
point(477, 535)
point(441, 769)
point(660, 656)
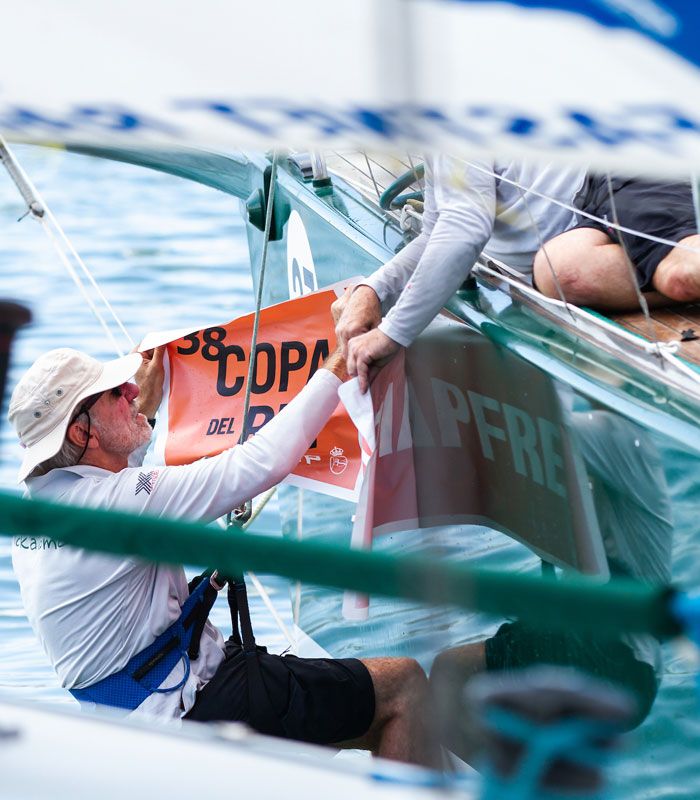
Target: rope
point(371, 175)
point(265, 597)
point(577, 604)
point(630, 267)
point(40, 211)
point(541, 243)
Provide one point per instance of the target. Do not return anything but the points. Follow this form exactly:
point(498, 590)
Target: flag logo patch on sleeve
point(146, 481)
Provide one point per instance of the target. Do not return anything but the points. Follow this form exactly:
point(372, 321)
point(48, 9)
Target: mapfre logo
point(339, 462)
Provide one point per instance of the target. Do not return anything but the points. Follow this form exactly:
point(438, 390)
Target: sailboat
point(626, 410)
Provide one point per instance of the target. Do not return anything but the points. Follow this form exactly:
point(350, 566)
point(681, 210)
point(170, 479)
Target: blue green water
point(170, 253)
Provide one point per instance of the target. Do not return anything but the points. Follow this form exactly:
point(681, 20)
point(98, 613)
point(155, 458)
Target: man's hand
point(368, 352)
point(356, 312)
point(149, 379)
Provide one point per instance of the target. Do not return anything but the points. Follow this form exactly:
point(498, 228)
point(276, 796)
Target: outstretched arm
point(359, 310)
point(210, 487)
point(466, 201)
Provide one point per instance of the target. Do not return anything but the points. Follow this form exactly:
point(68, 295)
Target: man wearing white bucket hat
point(128, 634)
point(51, 406)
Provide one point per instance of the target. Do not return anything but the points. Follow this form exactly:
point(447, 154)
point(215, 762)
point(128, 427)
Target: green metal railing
point(576, 603)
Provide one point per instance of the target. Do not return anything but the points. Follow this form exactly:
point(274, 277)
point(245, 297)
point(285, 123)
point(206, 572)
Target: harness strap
point(262, 714)
point(129, 687)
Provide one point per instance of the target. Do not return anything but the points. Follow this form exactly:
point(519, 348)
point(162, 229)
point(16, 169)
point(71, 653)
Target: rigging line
point(339, 155)
point(371, 175)
point(244, 509)
point(354, 166)
point(81, 287)
point(413, 168)
point(386, 169)
point(88, 274)
point(265, 597)
point(630, 269)
point(615, 226)
point(542, 247)
point(42, 213)
point(264, 500)
point(258, 298)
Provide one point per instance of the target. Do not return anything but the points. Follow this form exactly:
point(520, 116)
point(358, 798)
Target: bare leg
point(448, 675)
point(400, 729)
point(678, 275)
point(591, 270)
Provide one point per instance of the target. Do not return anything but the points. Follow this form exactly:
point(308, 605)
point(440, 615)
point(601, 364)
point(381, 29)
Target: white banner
point(610, 82)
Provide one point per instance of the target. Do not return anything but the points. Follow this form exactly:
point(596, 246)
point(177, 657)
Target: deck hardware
point(256, 208)
point(302, 164)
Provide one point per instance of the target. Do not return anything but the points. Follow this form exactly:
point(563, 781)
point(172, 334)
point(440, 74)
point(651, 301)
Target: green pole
point(576, 603)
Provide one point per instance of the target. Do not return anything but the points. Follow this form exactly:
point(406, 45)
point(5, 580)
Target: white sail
point(612, 82)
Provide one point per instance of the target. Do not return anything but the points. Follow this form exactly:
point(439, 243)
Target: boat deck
point(680, 323)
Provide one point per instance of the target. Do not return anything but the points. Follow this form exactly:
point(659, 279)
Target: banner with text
point(462, 431)
point(207, 385)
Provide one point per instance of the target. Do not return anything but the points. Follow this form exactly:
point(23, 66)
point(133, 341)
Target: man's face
point(117, 422)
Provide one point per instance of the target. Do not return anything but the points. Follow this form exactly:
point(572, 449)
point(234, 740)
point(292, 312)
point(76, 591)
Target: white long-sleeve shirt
point(468, 211)
point(93, 612)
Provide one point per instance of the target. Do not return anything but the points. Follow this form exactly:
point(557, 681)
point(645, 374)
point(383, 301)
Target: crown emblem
point(338, 462)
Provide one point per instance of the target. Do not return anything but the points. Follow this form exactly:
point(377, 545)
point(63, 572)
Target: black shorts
point(515, 646)
point(660, 209)
point(318, 700)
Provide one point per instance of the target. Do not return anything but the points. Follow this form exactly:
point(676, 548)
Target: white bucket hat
point(44, 401)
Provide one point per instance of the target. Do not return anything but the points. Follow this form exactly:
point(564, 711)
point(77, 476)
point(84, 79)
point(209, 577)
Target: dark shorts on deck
point(660, 209)
point(318, 700)
point(515, 646)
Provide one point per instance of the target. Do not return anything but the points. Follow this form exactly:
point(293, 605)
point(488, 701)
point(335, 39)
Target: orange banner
point(207, 388)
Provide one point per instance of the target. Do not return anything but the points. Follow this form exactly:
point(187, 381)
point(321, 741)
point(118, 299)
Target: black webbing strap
point(200, 614)
point(262, 714)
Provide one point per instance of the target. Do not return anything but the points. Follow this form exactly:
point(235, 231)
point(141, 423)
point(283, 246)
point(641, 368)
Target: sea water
point(169, 253)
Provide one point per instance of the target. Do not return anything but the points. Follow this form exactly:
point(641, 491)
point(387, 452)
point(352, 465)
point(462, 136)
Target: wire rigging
point(630, 267)
point(40, 211)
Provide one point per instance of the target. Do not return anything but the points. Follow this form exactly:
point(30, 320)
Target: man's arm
point(360, 309)
point(209, 488)
point(466, 203)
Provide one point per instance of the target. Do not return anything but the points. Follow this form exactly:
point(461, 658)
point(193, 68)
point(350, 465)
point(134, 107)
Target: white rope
point(87, 273)
point(265, 597)
point(264, 500)
point(81, 287)
point(40, 211)
point(572, 208)
point(543, 248)
point(371, 175)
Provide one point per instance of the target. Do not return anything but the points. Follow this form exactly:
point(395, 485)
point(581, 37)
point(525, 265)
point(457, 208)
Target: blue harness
point(147, 670)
